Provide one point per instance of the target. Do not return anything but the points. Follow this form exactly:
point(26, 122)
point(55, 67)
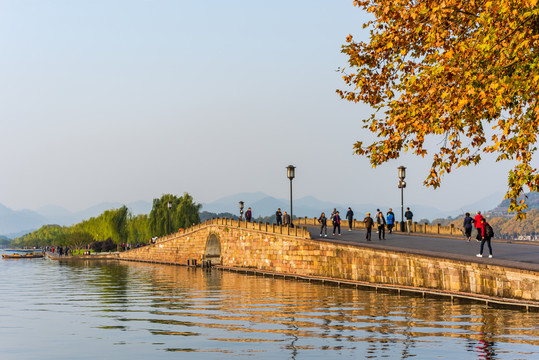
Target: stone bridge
point(288, 251)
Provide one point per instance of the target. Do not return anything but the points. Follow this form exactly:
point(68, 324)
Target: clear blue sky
point(127, 100)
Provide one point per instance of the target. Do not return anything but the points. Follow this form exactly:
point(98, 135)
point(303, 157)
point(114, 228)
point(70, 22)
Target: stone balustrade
point(435, 229)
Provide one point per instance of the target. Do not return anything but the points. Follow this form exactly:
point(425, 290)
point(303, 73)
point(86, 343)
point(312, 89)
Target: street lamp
point(291, 174)
point(169, 205)
point(241, 210)
point(402, 185)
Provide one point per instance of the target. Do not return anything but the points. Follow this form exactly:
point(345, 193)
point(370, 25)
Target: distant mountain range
point(264, 205)
point(532, 201)
point(14, 223)
point(17, 223)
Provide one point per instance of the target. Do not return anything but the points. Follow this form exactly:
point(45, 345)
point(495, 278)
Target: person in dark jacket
point(323, 224)
point(332, 214)
point(279, 217)
point(286, 219)
point(368, 226)
point(248, 215)
point(350, 218)
point(337, 223)
point(468, 226)
point(381, 222)
point(485, 237)
point(409, 216)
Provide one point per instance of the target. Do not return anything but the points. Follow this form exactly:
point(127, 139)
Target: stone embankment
point(291, 251)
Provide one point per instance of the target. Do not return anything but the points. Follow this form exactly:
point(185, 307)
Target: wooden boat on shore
point(23, 254)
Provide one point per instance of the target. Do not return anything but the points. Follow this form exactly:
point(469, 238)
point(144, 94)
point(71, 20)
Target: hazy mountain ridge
point(265, 205)
point(532, 201)
point(14, 223)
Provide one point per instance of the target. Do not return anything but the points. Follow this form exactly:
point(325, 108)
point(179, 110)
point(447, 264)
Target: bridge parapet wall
point(435, 229)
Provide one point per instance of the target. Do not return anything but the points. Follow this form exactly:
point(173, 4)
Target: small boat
point(23, 254)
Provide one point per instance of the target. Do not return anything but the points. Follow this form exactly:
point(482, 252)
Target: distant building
point(528, 237)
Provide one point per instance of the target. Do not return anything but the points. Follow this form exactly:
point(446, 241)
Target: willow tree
point(118, 225)
point(465, 71)
point(79, 239)
point(138, 229)
point(184, 212)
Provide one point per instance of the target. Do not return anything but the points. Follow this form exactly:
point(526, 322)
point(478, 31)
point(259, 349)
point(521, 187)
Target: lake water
point(118, 310)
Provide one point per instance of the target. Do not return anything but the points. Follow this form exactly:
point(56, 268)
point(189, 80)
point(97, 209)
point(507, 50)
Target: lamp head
point(402, 172)
point(291, 171)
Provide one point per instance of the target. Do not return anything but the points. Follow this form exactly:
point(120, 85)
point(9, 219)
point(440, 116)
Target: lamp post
point(241, 210)
point(402, 185)
point(169, 205)
point(291, 174)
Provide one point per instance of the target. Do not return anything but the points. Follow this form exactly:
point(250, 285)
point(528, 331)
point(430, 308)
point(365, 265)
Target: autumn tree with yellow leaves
point(463, 71)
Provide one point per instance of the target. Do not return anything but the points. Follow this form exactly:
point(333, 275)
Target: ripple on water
point(140, 311)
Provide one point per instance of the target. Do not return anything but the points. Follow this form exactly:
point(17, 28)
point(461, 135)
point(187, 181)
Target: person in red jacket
point(479, 226)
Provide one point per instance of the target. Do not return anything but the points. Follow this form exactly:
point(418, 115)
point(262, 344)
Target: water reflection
point(161, 310)
point(256, 310)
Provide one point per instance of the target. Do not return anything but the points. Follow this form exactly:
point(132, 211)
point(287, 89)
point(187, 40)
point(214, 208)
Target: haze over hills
point(264, 205)
point(14, 223)
point(17, 223)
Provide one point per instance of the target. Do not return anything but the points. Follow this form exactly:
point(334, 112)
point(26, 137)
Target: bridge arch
point(213, 249)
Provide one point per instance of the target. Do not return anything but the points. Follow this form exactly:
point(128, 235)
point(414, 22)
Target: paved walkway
point(521, 256)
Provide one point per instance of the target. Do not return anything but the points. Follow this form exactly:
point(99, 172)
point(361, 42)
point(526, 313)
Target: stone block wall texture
point(270, 250)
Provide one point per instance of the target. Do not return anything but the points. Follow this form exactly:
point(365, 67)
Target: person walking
point(368, 226)
point(381, 222)
point(377, 213)
point(286, 219)
point(323, 224)
point(468, 225)
point(486, 233)
point(337, 223)
point(248, 215)
point(390, 219)
point(350, 218)
point(478, 225)
point(409, 216)
point(332, 214)
point(279, 217)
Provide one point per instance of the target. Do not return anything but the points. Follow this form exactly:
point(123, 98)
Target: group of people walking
point(335, 219)
point(282, 219)
point(485, 232)
point(60, 250)
point(382, 222)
